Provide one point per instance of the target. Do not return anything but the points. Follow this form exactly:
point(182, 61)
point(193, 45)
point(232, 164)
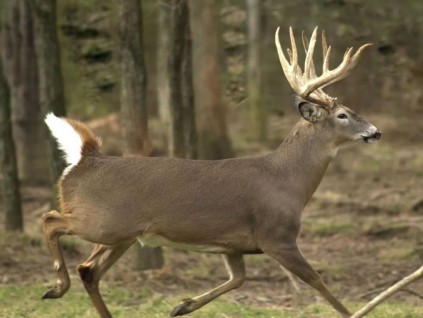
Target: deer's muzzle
point(375, 136)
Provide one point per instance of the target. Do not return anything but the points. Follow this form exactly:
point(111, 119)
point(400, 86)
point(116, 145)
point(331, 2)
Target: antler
point(308, 85)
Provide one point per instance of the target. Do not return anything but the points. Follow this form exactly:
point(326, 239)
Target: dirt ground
point(363, 230)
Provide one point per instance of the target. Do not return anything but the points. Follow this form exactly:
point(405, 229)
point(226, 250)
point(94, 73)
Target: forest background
point(205, 82)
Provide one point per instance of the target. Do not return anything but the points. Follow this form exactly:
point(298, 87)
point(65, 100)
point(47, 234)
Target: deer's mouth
point(372, 138)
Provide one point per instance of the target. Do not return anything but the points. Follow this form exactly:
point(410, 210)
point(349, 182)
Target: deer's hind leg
point(91, 271)
point(55, 225)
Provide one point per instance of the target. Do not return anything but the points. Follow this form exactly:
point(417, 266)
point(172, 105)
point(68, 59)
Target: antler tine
point(324, 43)
point(294, 48)
point(326, 60)
point(326, 52)
point(282, 59)
point(305, 41)
point(351, 65)
point(308, 64)
point(329, 77)
point(289, 70)
point(357, 54)
point(290, 56)
point(312, 72)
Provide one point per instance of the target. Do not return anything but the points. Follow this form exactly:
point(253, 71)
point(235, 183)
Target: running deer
point(230, 207)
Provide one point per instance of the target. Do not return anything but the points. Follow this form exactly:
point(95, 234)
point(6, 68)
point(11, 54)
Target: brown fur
point(91, 144)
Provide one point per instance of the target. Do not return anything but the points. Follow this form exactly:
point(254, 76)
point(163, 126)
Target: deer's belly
point(157, 240)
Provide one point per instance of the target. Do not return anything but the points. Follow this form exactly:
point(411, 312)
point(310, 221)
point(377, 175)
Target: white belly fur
point(157, 240)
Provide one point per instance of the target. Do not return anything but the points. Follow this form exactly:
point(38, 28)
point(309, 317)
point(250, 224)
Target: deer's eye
point(342, 116)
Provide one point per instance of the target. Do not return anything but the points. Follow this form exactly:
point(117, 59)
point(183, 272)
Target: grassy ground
point(24, 301)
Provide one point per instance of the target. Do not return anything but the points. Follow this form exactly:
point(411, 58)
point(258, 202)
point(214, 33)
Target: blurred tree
point(50, 78)
point(133, 106)
point(182, 137)
point(190, 127)
point(213, 140)
point(176, 49)
point(163, 52)
point(134, 81)
point(11, 194)
point(258, 109)
point(21, 71)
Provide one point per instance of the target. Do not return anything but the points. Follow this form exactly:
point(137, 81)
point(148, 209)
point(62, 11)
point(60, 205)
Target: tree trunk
point(134, 81)
point(258, 111)
point(11, 194)
point(210, 111)
point(174, 69)
point(21, 71)
point(51, 90)
point(190, 127)
point(163, 52)
point(133, 106)
point(176, 47)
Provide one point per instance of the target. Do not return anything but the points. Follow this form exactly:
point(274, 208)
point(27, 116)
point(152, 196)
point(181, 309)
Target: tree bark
point(163, 52)
point(175, 88)
point(210, 110)
point(134, 81)
point(133, 105)
point(18, 52)
point(51, 89)
point(176, 47)
point(11, 194)
point(190, 127)
point(258, 111)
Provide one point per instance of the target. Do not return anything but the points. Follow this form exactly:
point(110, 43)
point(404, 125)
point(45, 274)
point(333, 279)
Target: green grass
point(25, 302)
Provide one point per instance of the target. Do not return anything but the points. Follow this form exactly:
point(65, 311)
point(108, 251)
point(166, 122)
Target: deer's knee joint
point(238, 281)
point(86, 274)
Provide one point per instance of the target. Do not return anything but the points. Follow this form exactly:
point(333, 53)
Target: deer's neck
point(302, 159)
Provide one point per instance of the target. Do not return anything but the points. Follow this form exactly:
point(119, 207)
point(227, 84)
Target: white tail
point(67, 137)
point(74, 138)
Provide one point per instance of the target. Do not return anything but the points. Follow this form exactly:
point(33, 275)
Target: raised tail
point(75, 139)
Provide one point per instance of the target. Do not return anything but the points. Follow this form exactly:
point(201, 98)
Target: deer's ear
point(310, 111)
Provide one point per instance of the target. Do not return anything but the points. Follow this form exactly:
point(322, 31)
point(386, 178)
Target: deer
point(233, 207)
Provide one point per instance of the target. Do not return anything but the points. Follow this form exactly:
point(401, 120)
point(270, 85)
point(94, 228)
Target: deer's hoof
point(183, 308)
point(52, 293)
point(55, 292)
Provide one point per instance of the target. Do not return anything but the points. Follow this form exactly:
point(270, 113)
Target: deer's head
point(316, 106)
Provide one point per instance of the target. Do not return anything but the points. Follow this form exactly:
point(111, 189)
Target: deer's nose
point(377, 135)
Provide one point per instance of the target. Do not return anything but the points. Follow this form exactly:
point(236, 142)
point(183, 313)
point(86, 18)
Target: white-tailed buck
point(230, 207)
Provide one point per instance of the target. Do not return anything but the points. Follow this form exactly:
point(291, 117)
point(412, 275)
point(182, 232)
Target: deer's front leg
point(290, 257)
point(235, 266)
